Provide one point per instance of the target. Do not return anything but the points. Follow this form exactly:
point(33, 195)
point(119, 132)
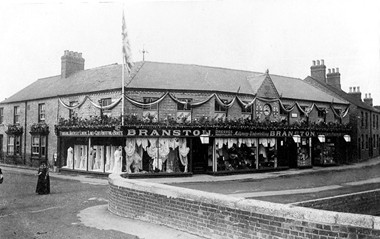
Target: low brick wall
point(214, 215)
point(367, 202)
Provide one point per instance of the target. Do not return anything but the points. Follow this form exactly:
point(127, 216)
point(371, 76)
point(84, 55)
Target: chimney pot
point(318, 63)
point(322, 62)
point(365, 96)
point(369, 95)
point(350, 89)
point(358, 89)
point(313, 63)
point(333, 70)
point(337, 70)
point(329, 71)
point(354, 89)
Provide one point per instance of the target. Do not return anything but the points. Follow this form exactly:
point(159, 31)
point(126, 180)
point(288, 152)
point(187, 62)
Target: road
point(25, 214)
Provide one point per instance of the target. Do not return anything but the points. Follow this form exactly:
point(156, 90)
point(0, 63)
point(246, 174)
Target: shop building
point(363, 116)
point(179, 119)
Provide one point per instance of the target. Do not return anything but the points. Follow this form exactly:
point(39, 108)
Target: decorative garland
point(196, 104)
point(79, 104)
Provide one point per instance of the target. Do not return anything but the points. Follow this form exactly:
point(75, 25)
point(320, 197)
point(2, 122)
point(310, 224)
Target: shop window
point(237, 154)
point(148, 100)
point(39, 145)
point(16, 115)
point(219, 107)
point(41, 112)
point(14, 145)
point(1, 115)
point(72, 112)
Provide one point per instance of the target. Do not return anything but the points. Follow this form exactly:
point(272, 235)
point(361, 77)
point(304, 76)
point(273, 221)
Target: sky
point(283, 36)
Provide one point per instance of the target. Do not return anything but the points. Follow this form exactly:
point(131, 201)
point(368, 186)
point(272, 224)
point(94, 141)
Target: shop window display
point(235, 153)
point(267, 153)
point(155, 155)
point(303, 157)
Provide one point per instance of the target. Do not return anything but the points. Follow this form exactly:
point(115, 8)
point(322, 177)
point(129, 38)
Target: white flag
point(127, 54)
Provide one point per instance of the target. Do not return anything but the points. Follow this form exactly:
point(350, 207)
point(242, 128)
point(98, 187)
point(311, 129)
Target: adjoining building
point(179, 119)
point(363, 116)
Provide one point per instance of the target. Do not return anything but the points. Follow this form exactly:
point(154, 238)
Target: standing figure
point(118, 155)
point(43, 183)
point(1, 176)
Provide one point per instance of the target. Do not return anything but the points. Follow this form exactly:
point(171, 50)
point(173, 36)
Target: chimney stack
point(333, 78)
point(318, 71)
point(356, 93)
point(71, 62)
point(368, 99)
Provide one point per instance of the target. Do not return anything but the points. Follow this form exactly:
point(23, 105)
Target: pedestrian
point(1, 177)
point(43, 183)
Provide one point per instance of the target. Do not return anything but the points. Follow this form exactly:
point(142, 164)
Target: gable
point(267, 89)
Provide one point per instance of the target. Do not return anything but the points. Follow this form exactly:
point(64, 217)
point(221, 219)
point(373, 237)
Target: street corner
point(101, 218)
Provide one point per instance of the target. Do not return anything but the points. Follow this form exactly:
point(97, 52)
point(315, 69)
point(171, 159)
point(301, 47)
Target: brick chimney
point(333, 78)
point(368, 99)
point(71, 62)
point(355, 92)
point(318, 71)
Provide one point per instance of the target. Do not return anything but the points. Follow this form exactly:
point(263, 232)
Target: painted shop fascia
point(196, 131)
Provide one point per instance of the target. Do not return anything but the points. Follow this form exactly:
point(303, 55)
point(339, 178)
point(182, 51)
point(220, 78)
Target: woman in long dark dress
point(43, 183)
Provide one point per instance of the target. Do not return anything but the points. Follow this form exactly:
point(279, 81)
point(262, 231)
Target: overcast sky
point(283, 36)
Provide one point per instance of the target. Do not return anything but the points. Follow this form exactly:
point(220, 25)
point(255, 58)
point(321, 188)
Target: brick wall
point(219, 216)
point(367, 202)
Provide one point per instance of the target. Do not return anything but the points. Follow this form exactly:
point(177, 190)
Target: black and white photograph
point(215, 119)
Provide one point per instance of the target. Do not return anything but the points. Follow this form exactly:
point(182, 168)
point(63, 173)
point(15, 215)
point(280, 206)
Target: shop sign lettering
point(166, 132)
point(290, 133)
point(92, 133)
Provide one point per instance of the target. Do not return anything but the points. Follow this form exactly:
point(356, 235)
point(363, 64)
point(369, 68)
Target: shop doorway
point(292, 154)
point(199, 156)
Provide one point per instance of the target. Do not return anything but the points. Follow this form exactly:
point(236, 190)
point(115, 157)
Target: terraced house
point(174, 119)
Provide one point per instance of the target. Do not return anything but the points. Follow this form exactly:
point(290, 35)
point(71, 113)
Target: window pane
point(17, 145)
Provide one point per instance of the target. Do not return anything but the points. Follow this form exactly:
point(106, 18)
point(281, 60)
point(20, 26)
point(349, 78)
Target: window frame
point(184, 107)
point(41, 146)
point(219, 108)
point(106, 102)
point(41, 112)
point(16, 114)
point(16, 145)
point(150, 100)
point(1, 115)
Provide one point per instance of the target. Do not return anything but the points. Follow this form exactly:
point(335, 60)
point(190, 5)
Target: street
point(77, 198)
point(25, 214)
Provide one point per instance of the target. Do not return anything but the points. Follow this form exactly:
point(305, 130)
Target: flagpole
point(122, 91)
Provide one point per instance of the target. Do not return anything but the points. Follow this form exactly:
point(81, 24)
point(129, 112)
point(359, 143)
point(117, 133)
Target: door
point(199, 156)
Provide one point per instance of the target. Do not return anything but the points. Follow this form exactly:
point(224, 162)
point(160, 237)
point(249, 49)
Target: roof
point(169, 76)
point(353, 100)
point(295, 88)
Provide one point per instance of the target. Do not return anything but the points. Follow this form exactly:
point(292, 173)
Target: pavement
point(110, 221)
